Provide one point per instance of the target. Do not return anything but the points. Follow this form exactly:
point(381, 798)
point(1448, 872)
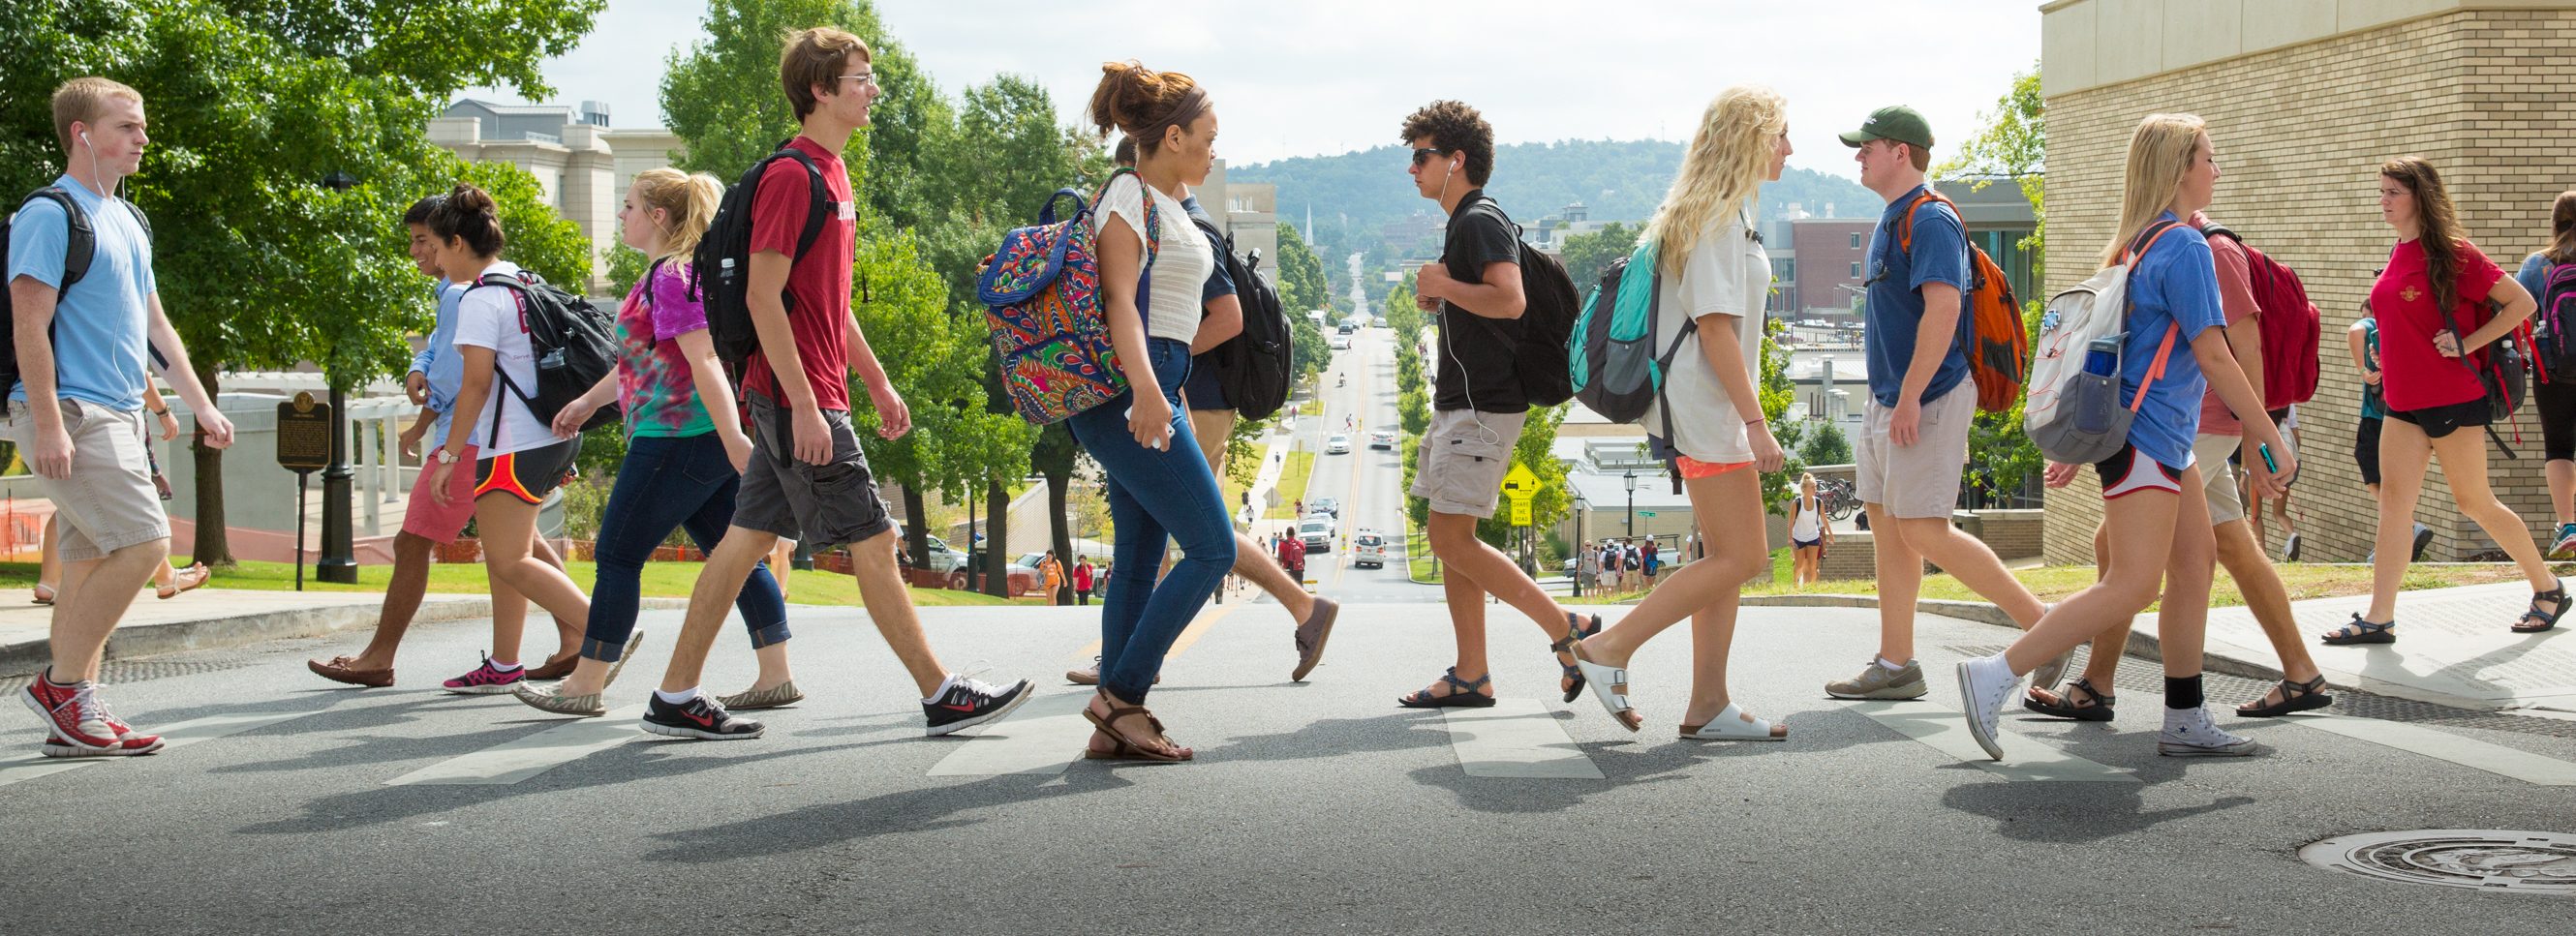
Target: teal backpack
point(1616, 369)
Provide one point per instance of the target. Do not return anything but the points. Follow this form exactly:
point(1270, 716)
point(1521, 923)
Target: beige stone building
point(1250, 214)
point(2305, 98)
point(583, 165)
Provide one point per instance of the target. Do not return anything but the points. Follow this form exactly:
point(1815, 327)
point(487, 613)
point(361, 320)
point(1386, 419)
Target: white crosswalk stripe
point(31, 765)
point(2442, 745)
point(532, 755)
point(1945, 730)
point(1516, 738)
point(1044, 736)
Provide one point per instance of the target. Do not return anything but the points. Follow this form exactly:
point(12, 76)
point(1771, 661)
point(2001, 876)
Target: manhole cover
point(2537, 862)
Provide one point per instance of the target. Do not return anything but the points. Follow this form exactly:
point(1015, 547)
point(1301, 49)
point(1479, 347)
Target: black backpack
point(721, 267)
point(1551, 304)
point(79, 250)
point(1256, 366)
point(573, 340)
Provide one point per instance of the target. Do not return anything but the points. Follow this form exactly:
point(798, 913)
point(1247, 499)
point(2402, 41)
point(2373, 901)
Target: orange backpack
point(1997, 344)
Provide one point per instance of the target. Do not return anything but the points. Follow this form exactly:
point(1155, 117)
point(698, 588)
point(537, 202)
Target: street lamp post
point(1631, 479)
point(339, 559)
point(1581, 545)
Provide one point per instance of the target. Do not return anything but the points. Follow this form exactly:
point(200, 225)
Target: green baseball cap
point(1899, 123)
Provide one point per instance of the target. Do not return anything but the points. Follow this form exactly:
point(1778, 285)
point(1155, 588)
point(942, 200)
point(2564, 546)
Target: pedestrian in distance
point(75, 410)
point(1478, 406)
point(520, 459)
point(685, 451)
point(805, 478)
point(2435, 286)
point(2554, 393)
point(437, 373)
point(1082, 582)
point(1713, 271)
point(2363, 339)
point(1913, 445)
point(2159, 531)
point(1158, 482)
point(1809, 534)
point(2239, 548)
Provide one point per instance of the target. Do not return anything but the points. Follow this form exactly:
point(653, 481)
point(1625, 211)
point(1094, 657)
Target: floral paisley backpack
point(1041, 293)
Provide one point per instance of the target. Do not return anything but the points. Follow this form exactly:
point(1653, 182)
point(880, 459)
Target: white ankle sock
point(1891, 667)
point(506, 667)
point(681, 697)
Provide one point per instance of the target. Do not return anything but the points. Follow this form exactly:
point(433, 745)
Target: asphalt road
point(1319, 807)
point(1368, 482)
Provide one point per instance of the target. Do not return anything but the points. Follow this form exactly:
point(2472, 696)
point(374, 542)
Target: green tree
point(252, 106)
point(1826, 445)
point(1587, 256)
point(1778, 394)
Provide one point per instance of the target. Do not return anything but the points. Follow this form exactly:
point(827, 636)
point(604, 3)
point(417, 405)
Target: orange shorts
point(1693, 469)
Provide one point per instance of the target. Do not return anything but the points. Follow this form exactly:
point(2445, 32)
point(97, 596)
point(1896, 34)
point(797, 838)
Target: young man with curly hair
point(1477, 403)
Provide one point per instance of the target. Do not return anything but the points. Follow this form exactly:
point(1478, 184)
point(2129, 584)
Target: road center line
point(30, 766)
point(526, 757)
point(1516, 738)
point(2442, 745)
point(1945, 730)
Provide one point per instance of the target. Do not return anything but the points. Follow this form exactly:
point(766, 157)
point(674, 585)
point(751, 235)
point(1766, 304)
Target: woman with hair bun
point(521, 460)
point(685, 451)
point(1153, 264)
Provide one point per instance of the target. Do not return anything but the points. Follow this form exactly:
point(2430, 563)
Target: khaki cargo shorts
point(108, 503)
point(1463, 459)
point(1922, 479)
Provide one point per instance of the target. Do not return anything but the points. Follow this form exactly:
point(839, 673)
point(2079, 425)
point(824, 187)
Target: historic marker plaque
point(303, 434)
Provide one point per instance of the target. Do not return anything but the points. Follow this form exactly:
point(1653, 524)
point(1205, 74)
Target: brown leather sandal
point(1128, 748)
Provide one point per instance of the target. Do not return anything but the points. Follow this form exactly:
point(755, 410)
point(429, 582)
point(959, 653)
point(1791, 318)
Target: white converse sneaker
point(1985, 683)
point(2189, 733)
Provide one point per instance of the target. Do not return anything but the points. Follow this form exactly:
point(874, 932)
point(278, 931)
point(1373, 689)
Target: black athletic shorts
point(527, 474)
point(2365, 449)
point(2439, 421)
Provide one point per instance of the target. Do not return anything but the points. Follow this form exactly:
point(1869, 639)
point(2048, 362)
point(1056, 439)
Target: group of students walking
point(779, 460)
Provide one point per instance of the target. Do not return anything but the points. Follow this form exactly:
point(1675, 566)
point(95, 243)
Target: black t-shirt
point(1476, 353)
point(1202, 388)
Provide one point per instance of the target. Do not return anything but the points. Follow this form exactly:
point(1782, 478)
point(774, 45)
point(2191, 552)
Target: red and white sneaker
point(78, 718)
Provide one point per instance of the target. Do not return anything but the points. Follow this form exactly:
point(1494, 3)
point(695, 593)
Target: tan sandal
point(43, 594)
point(1128, 748)
point(173, 589)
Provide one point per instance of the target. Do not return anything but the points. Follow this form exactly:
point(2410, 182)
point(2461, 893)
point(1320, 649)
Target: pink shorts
point(425, 518)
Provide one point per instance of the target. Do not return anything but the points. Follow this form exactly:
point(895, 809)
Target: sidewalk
point(220, 617)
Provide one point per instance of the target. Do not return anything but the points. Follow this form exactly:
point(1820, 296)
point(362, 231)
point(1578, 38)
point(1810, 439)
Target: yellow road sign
point(1520, 511)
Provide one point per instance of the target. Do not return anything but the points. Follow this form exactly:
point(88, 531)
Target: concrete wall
point(2303, 108)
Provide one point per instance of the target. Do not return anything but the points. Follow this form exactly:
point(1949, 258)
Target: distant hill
point(1615, 180)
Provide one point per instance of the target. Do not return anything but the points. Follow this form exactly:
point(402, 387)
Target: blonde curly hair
point(1729, 159)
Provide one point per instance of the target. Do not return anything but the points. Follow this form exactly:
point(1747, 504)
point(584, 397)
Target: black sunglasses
point(1423, 156)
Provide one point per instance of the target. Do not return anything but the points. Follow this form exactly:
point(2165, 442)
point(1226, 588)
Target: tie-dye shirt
point(654, 382)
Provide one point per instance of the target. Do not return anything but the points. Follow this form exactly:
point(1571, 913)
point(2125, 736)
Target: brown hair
point(1125, 154)
point(1144, 102)
point(470, 214)
point(80, 100)
point(1456, 128)
point(2437, 226)
point(2562, 230)
point(689, 200)
point(816, 57)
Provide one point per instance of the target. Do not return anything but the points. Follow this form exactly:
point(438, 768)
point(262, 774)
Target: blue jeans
point(665, 483)
point(1154, 494)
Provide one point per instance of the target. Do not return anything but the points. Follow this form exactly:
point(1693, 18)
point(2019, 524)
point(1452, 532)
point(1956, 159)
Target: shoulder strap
point(1905, 222)
point(2213, 229)
point(2164, 349)
point(80, 241)
point(818, 198)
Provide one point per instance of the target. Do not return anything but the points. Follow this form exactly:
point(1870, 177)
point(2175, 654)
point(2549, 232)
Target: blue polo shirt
point(1894, 310)
point(2175, 283)
point(99, 354)
point(441, 366)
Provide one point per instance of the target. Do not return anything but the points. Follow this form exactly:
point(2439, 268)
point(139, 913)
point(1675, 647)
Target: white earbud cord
point(1465, 385)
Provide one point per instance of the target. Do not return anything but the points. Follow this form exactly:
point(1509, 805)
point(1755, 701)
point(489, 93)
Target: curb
point(2141, 644)
point(237, 630)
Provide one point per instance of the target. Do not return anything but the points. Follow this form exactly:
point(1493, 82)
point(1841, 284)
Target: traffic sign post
point(1520, 486)
point(303, 446)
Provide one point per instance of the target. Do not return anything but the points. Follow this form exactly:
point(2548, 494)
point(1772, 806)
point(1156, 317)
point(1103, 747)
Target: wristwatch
point(446, 457)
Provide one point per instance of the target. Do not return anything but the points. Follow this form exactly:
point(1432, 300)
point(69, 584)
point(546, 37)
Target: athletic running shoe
point(486, 680)
point(1879, 682)
point(965, 702)
point(2290, 548)
point(2565, 549)
point(2189, 733)
point(700, 717)
point(550, 698)
point(77, 717)
point(782, 694)
point(1985, 683)
point(2423, 540)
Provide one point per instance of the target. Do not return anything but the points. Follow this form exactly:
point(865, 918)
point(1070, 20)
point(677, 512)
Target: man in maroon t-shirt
point(806, 479)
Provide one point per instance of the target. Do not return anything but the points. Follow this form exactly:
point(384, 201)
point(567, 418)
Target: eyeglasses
point(866, 79)
point(1423, 156)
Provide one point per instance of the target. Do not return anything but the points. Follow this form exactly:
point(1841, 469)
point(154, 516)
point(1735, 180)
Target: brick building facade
point(1831, 255)
point(2305, 98)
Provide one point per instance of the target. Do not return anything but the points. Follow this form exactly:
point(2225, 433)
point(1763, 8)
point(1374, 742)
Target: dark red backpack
point(2290, 326)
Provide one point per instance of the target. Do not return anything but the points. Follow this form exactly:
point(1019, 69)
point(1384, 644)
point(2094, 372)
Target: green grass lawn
point(1292, 485)
point(661, 580)
point(2052, 583)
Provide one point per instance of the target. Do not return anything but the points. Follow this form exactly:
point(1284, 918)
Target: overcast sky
point(1318, 77)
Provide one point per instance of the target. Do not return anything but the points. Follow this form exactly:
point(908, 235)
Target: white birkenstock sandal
point(1730, 725)
point(1601, 679)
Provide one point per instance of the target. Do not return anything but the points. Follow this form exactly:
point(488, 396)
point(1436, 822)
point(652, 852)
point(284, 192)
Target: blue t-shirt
point(1201, 388)
point(1894, 310)
point(2176, 282)
point(99, 354)
point(441, 365)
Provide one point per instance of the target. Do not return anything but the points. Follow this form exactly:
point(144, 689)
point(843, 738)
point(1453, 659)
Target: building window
point(1855, 240)
point(1855, 274)
point(559, 191)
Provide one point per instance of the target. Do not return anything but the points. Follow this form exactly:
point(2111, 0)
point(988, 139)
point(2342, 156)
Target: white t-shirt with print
point(1182, 263)
point(1723, 284)
point(488, 317)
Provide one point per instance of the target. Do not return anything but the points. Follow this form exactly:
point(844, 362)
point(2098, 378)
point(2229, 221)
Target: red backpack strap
point(2156, 368)
point(1905, 223)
